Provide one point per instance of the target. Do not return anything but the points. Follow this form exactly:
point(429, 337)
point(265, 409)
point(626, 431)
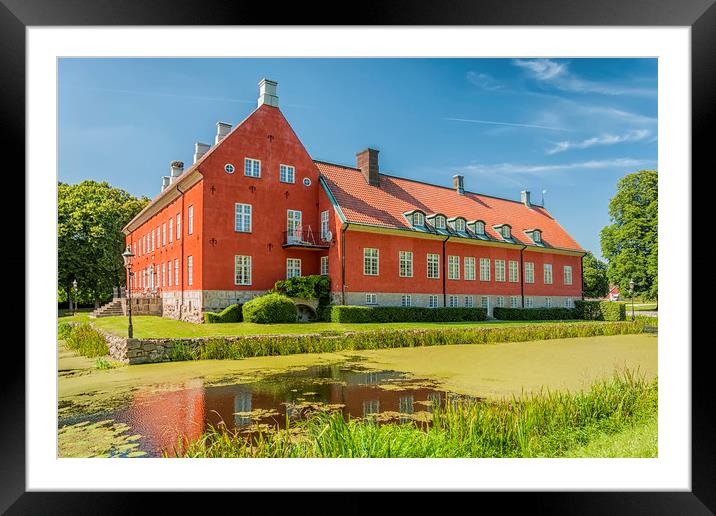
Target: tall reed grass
point(86, 341)
point(547, 424)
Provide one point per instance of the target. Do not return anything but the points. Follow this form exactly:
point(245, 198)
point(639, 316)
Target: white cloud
point(483, 81)
point(559, 76)
point(516, 168)
point(606, 139)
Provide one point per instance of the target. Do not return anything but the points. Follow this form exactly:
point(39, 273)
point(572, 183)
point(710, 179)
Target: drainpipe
point(343, 263)
point(522, 276)
point(181, 262)
point(445, 272)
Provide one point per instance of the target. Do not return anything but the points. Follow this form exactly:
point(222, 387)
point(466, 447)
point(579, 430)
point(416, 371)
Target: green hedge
point(307, 287)
point(388, 314)
point(269, 345)
point(601, 310)
point(86, 341)
point(271, 308)
point(231, 313)
point(535, 314)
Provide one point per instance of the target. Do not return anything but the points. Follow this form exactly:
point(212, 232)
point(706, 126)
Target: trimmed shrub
point(601, 310)
point(225, 348)
point(535, 314)
point(307, 287)
point(388, 314)
point(271, 308)
point(86, 341)
point(231, 313)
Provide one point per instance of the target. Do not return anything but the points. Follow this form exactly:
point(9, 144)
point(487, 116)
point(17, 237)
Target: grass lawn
point(147, 326)
point(642, 308)
point(639, 440)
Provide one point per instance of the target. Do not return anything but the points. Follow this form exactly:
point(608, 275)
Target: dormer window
point(478, 227)
point(439, 222)
point(504, 230)
point(458, 224)
point(535, 235)
point(418, 219)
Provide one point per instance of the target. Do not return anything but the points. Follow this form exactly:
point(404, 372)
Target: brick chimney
point(367, 162)
point(458, 183)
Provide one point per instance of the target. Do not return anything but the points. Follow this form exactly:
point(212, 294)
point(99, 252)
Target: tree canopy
point(630, 242)
point(90, 218)
point(596, 282)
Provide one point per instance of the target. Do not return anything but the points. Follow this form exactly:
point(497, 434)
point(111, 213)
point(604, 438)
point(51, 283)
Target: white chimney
point(458, 183)
point(222, 129)
point(176, 167)
point(199, 150)
point(268, 93)
point(525, 198)
point(165, 182)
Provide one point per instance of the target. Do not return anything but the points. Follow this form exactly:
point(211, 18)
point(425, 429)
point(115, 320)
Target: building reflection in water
point(242, 403)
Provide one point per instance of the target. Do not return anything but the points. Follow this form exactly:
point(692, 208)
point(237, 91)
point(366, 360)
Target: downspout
point(581, 262)
point(522, 276)
point(343, 263)
point(445, 272)
point(181, 262)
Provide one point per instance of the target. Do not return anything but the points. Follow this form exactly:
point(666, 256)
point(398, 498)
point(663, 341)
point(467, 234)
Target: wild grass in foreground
point(549, 424)
point(84, 339)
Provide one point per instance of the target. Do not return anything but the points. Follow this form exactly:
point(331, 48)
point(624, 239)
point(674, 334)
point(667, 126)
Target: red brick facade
point(202, 202)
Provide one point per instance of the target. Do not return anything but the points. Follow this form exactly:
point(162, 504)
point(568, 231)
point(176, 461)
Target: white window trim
point(409, 260)
point(376, 258)
point(293, 261)
point(252, 167)
point(427, 268)
point(243, 216)
point(529, 272)
point(324, 265)
point(503, 276)
point(238, 262)
point(489, 275)
point(371, 299)
point(291, 167)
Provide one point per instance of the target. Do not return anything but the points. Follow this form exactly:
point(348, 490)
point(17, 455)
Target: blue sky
point(571, 127)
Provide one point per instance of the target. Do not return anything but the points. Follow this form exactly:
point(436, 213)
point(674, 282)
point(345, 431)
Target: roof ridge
point(431, 184)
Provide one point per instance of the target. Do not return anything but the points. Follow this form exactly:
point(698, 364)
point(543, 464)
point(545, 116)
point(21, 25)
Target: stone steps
point(111, 309)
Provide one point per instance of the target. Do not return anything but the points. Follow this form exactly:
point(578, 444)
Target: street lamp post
point(127, 256)
point(631, 293)
point(73, 297)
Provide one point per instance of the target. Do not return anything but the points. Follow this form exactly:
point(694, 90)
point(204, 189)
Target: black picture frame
point(700, 15)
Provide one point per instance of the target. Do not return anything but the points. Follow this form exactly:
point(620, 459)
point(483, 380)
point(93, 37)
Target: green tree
point(630, 242)
point(596, 282)
point(90, 218)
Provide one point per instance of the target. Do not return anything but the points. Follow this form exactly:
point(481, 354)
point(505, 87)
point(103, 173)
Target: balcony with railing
point(304, 239)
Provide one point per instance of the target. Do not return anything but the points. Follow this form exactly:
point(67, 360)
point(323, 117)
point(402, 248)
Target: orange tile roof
point(385, 205)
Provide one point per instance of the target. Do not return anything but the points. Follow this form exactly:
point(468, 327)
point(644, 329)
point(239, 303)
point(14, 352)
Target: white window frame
point(176, 272)
point(453, 267)
point(514, 271)
point(529, 303)
point(548, 302)
point(171, 229)
point(287, 171)
point(418, 219)
point(529, 272)
point(406, 300)
point(405, 262)
point(325, 225)
point(567, 274)
point(568, 303)
point(169, 273)
point(164, 234)
point(294, 226)
point(371, 299)
point(293, 267)
point(190, 270)
point(479, 228)
point(499, 270)
point(484, 269)
point(506, 232)
point(190, 220)
point(369, 260)
point(153, 240)
point(324, 265)
point(547, 267)
point(453, 301)
point(164, 274)
point(485, 303)
point(537, 237)
point(500, 302)
point(469, 263)
point(459, 225)
point(470, 301)
point(440, 222)
point(250, 168)
point(178, 226)
point(242, 269)
point(514, 302)
point(242, 213)
point(433, 301)
point(436, 265)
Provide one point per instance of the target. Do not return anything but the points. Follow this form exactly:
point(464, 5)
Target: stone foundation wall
point(184, 307)
point(144, 305)
point(217, 300)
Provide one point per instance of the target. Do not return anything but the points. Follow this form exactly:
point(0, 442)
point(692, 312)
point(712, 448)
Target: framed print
point(402, 252)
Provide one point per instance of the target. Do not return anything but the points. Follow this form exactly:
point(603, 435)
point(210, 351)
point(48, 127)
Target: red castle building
point(254, 208)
